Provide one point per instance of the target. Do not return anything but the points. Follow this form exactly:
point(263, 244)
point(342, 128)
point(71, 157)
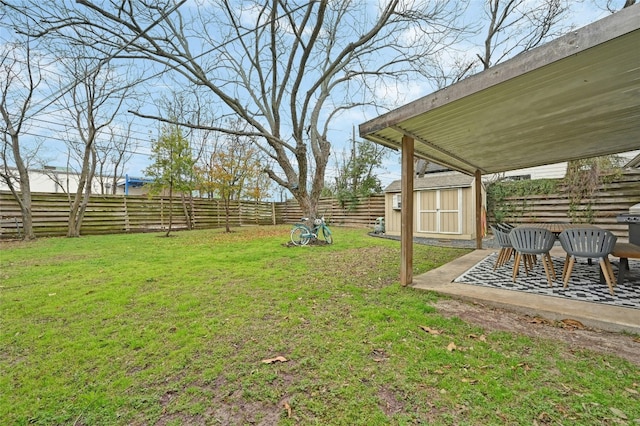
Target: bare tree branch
point(286, 69)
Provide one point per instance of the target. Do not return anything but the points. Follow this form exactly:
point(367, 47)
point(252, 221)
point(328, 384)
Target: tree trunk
point(186, 210)
point(170, 207)
point(227, 211)
point(24, 196)
point(24, 201)
point(308, 204)
point(83, 193)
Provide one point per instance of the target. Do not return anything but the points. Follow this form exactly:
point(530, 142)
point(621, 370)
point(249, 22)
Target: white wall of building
point(58, 180)
point(55, 181)
point(550, 171)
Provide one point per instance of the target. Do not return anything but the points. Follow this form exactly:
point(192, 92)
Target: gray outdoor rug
point(584, 284)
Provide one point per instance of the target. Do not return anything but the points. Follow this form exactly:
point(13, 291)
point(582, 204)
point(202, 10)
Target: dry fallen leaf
point(276, 359)
point(570, 323)
point(379, 355)
point(451, 347)
point(481, 337)
point(430, 330)
point(523, 365)
point(545, 417)
point(288, 408)
point(618, 413)
point(470, 381)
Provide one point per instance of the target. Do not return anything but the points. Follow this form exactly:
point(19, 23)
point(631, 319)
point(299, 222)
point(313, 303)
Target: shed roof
point(435, 181)
point(575, 97)
point(634, 162)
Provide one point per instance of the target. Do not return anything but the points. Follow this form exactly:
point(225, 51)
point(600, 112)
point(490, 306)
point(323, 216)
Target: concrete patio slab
point(595, 315)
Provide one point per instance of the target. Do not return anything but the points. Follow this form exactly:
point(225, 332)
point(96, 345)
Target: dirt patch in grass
point(569, 332)
point(245, 412)
point(390, 403)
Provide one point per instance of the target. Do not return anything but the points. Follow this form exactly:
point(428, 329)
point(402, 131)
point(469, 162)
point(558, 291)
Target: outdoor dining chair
point(590, 243)
point(506, 249)
point(504, 226)
point(528, 244)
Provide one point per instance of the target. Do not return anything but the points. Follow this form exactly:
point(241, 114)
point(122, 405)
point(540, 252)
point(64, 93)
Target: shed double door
point(440, 211)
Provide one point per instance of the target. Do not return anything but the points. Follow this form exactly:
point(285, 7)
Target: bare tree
point(113, 152)
point(614, 5)
point(113, 155)
point(516, 26)
point(287, 69)
point(20, 77)
point(94, 98)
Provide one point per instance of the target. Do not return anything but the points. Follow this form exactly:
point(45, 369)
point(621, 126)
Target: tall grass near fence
point(212, 328)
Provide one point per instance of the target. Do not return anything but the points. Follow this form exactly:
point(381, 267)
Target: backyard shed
point(444, 206)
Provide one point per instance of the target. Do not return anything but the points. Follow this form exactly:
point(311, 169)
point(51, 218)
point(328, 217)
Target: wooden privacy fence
point(363, 214)
point(610, 200)
point(110, 214)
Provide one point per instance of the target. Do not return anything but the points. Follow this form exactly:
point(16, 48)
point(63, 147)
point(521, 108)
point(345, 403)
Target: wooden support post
point(273, 213)
point(479, 212)
point(406, 226)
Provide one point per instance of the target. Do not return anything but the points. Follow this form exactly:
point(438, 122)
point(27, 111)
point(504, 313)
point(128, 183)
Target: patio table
point(625, 251)
point(556, 228)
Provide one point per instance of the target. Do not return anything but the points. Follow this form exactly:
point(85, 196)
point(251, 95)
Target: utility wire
point(37, 123)
point(164, 16)
point(111, 56)
point(128, 151)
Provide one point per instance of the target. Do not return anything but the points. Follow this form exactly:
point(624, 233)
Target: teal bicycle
point(302, 234)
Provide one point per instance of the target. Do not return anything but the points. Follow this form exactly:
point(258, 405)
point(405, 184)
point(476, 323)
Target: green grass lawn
point(142, 329)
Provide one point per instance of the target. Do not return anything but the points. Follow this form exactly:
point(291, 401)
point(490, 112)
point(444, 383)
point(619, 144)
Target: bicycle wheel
point(326, 233)
point(300, 235)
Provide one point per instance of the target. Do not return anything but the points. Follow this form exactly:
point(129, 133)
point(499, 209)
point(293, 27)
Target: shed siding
point(450, 214)
point(440, 213)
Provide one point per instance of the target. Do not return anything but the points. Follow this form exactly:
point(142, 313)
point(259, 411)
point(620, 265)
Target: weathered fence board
point(364, 214)
point(610, 200)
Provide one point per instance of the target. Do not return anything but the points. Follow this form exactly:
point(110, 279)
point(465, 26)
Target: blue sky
point(50, 126)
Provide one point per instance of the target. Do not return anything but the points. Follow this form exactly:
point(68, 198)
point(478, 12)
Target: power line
point(157, 21)
point(36, 122)
point(59, 139)
point(112, 55)
point(128, 151)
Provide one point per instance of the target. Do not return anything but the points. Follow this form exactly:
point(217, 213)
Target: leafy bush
point(498, 194)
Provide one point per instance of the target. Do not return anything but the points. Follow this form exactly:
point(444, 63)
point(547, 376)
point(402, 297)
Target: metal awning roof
point(576, 97)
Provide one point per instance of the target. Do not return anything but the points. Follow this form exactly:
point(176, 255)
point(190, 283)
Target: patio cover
point(575, 97)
